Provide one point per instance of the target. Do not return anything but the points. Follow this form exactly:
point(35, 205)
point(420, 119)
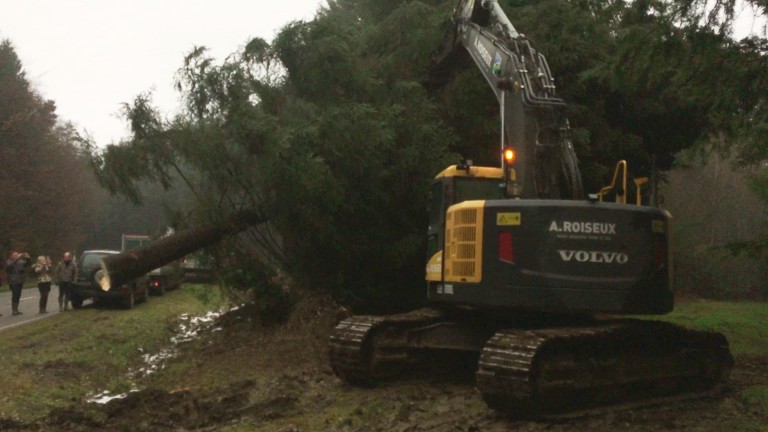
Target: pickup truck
point(87, 285)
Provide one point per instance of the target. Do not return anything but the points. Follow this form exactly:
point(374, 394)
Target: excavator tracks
point(563, 372)
point(365, 349)
point(549, 372)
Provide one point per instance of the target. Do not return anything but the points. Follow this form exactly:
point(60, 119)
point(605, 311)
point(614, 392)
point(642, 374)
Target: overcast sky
point(90, 56)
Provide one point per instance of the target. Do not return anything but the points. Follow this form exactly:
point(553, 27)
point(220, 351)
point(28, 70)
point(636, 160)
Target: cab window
point(477, 189)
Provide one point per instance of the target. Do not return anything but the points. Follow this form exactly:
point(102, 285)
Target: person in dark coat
point(15, 268)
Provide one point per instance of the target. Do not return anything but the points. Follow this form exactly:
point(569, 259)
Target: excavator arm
point(533, 121)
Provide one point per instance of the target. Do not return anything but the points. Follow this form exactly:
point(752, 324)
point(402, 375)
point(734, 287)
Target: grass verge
point(756, 397)
point(56, 361)
point(743, 324)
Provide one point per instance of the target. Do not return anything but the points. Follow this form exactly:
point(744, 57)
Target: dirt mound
point(12, 425)
point(184, 409)
point(232, 351)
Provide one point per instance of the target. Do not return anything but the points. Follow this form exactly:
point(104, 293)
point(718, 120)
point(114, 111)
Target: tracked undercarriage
point(538, 371)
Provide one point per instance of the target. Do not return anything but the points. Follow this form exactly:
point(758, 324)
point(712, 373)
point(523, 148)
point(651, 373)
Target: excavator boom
point(533, 119)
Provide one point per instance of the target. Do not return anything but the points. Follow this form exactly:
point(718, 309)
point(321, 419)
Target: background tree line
point(45, 191)
point(50, 201)
point(333, 130)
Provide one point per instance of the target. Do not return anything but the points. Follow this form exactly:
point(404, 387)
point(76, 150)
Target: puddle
point(106, 396)
point(188, 329)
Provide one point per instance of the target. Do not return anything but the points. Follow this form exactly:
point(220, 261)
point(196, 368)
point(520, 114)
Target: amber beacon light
point(509, 156)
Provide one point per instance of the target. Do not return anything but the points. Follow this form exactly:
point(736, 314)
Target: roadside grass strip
point(74, 355)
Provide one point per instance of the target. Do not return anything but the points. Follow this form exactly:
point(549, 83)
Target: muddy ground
point(239, 376)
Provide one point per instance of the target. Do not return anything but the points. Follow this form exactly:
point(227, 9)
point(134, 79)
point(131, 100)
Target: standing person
point(16, 267)
point(66, 275)
point(43, 269)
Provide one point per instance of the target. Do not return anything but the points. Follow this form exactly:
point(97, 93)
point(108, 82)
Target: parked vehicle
point(88, 287)
point(165, 278)
point(197, 269)
point(132, 241)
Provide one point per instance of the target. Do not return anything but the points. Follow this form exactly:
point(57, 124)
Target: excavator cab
point(557, 256)
point(455, 184)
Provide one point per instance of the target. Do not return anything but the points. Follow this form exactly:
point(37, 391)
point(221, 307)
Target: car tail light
point(506, 247)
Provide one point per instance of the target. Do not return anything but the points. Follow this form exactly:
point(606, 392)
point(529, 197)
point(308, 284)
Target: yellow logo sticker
point(507, 219)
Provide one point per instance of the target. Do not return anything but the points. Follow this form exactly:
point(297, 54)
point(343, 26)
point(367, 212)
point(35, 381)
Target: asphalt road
point(29, 307)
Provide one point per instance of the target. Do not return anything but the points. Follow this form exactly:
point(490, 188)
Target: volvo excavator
point(532, 276)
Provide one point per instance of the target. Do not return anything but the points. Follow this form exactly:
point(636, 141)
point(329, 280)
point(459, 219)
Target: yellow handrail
point(639, 182)
point(621, 194)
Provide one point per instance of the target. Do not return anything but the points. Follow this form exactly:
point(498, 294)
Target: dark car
point(87, 285)
point(165, 278)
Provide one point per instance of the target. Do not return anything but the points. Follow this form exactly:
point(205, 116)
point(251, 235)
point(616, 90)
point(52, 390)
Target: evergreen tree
point(332, 132)
point(49, 198)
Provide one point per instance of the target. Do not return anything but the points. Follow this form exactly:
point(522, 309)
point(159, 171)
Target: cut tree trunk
point(131, 264)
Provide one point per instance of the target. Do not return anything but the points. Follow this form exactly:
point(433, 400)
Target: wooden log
point(128, 265)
